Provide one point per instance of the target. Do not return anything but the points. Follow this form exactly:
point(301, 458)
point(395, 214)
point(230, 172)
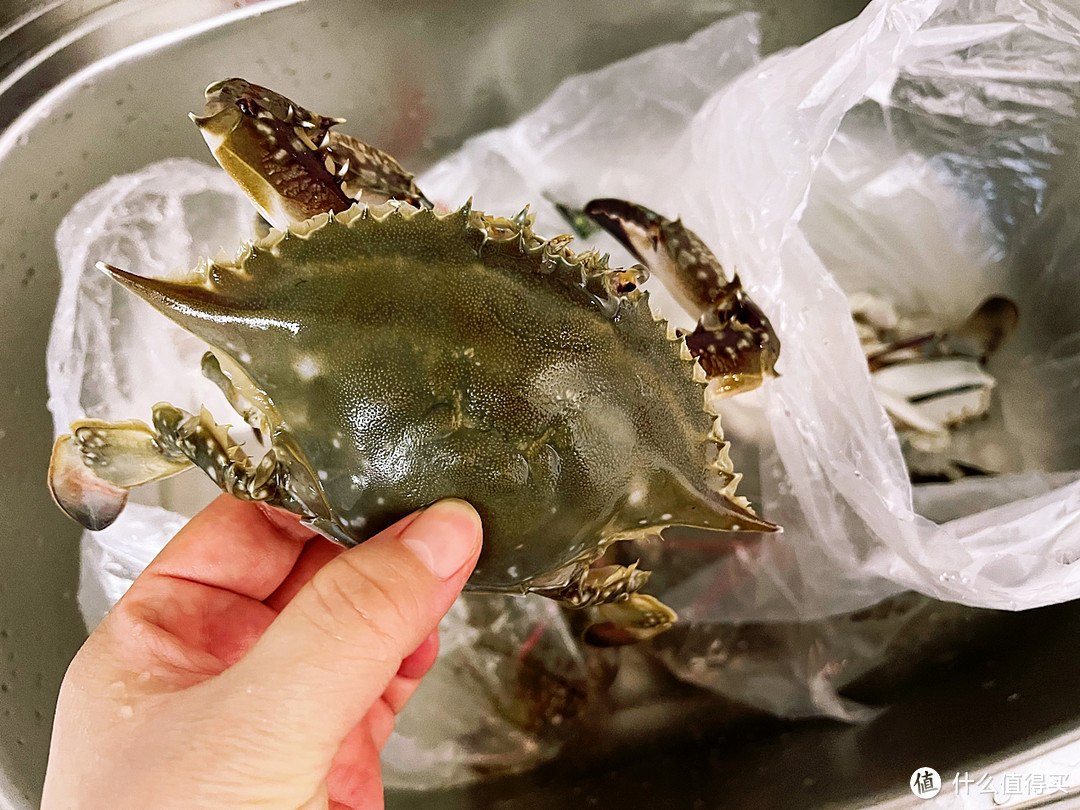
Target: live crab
point(388, 356)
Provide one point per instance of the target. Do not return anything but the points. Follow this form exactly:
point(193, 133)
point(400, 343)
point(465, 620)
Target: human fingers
point(317, 552)
point(369, 736)
point(407, 679)
point(203, 630)
point(354, 781)
point(338, 644)
point(232, 545)
point(355, 778)
point(420, 660)
point(197, 608)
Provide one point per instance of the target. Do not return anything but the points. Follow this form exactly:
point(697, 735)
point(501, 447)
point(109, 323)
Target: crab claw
point(733, 341)
point(84, 497)
point(288, 161)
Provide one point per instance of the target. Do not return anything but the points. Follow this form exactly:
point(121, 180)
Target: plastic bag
point(907, 152)
point(916, 114)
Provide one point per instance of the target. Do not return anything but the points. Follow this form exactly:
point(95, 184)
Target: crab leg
point(252, 415)
point(208, 446)
point(733, 341)
point(617, 614)
point(93, 468)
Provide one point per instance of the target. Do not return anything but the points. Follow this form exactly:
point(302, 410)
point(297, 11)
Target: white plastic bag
point(906, 152)
point(962, 108)
point(112, 356)
point(921, 151)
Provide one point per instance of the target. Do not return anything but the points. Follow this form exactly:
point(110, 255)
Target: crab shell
point(399, 356)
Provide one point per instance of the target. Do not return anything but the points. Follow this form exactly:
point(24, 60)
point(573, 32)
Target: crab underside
point(933, 381)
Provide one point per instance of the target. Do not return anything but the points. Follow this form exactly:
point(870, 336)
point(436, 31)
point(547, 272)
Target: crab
point(388, 355)
point(932, 381)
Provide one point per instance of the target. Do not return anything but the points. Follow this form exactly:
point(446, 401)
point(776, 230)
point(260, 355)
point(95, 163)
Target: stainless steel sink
point(92, 89)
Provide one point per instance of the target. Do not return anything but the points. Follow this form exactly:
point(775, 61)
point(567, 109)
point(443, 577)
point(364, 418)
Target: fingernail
point(444, 537)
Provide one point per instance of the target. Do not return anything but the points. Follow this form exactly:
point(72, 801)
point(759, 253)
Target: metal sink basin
point(90, 90)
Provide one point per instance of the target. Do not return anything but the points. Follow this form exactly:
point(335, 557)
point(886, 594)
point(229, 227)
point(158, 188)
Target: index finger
point(236, 546)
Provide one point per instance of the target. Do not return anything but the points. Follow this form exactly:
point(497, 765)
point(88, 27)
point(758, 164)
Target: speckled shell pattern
point(411, 356)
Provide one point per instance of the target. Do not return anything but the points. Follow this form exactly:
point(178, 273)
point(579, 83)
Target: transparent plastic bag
point(907, 152)
point(921, 151)
point(912, 153)
point(112, 356)
point(509, 683)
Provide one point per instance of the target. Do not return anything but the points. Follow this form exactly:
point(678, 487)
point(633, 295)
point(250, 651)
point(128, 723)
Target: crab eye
point(244, 104)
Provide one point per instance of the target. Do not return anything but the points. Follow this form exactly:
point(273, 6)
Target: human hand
point(256, 664)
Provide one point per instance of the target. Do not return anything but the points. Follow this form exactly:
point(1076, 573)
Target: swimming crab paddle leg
point(288, 160)
point(617, 614)
point(733, 341)
point(637, 618)
point(93, 467)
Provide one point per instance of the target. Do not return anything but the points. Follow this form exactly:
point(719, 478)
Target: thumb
point(333, 650)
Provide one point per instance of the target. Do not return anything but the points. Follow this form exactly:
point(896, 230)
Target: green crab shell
point(404, 356)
